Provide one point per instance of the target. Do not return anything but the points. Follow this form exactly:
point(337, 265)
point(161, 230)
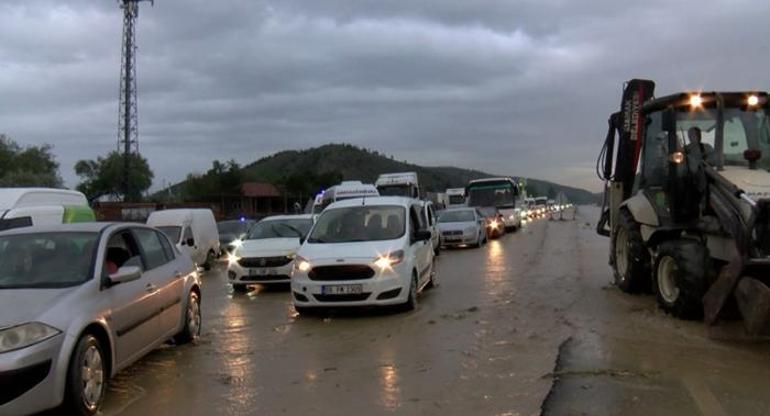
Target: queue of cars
point(80, 302)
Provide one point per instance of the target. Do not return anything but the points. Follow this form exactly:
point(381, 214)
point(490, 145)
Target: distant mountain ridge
point(355, 163)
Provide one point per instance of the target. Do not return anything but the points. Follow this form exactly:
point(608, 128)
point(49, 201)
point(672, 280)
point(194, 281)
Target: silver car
point(462, 227)
point(80, 302)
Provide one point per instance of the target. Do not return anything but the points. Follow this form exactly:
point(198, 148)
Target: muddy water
point(528, 323)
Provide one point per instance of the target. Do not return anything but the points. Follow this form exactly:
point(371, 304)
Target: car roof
point(94, 227)
point(374, 201)
point(289, 217)
point(459, 209)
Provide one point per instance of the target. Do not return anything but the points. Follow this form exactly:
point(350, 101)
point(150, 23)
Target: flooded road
point(528, 324)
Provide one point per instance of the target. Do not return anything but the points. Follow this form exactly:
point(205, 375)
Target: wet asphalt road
point(528, 324)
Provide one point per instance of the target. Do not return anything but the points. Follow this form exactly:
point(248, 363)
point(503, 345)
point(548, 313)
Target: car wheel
point(411, 301)
point(191, 331)
point(209, 261)
point(305, 310)
point(434, 282)
point(240, 288)
point(87, 376)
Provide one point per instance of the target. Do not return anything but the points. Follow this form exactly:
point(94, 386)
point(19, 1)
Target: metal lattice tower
point(128, 139)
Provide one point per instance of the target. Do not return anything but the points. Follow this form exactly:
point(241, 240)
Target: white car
point(363, 252)
point(266, 254)
point(193, 231)
point(462, 227)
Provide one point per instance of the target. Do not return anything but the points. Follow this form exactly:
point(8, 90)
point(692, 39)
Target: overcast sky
point(514, 87)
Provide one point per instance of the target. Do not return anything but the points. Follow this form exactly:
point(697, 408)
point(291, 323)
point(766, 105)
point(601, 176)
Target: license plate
point(262, 272)
point(453, 238)
point(342, 290)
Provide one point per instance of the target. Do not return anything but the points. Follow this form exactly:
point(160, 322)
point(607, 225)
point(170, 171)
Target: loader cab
point(734, 137)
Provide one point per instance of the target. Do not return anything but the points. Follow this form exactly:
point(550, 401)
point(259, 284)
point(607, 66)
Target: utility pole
point(128, 139)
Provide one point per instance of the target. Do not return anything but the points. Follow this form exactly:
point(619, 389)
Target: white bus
point(501, 193)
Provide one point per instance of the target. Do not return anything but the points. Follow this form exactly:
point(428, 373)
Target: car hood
point(357, 250)
point(18, 306)
point(268, 247)
point(455, 226)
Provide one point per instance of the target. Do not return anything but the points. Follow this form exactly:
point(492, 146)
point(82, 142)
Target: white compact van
point(194, 231)
point(24, 207)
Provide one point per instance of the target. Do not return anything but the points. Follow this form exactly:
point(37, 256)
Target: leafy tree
point(27, 166)
point(104, 176)
point(224, 178)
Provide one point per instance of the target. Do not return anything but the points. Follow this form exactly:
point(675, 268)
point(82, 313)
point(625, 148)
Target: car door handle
point(151, 288)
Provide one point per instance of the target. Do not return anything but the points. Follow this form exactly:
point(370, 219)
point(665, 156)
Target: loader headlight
point(696, 101)
point(677, 157)
point(752, 100)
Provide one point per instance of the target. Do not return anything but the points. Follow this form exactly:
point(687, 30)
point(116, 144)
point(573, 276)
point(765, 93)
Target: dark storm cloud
point(516, 87)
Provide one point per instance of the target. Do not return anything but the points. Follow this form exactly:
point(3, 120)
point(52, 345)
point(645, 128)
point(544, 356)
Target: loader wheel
point(681, 274)
point(630, 256)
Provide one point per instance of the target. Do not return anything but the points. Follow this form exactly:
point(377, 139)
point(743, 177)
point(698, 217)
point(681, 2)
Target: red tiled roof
point(259, 190)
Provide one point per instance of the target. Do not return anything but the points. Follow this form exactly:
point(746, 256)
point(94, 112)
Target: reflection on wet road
point(525, 320)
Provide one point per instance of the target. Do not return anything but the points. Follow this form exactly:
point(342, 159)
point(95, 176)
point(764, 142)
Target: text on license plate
point(262, 272)
point(342, 289)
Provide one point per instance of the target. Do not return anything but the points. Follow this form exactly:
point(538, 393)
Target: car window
point(154, 253)
point(187, 233)
point(122, 250)
point(167, 247)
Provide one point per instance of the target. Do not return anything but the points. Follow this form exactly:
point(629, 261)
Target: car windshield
point(359, 223)
point(287, 228)
point(488, 211)
point(395, 190)
point(46, 260)
point(499, 195)
point(233, 227)
point(171, 231)
point(465, 215)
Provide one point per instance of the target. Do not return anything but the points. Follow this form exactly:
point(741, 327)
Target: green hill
point(354, 163)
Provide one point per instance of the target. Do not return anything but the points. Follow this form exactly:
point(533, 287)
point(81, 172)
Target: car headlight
point(232, 258)
point(22, 336)
point(387, 261)
point(301, 265)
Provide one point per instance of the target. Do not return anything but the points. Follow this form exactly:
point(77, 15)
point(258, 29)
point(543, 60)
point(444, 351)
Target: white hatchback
point(266, 254)
point(366, 251)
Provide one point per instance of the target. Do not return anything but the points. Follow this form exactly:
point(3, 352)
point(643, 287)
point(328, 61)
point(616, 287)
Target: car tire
point(629, 256)
point(411, 300)
point(83, 397)
point(191, 331)
point(681, 278)
point(305, 310)
point(209, 261)
point(434, 282)
point(240, 288)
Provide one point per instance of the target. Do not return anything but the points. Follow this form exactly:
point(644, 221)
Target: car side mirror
point(190, 242)
point(125, 274)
